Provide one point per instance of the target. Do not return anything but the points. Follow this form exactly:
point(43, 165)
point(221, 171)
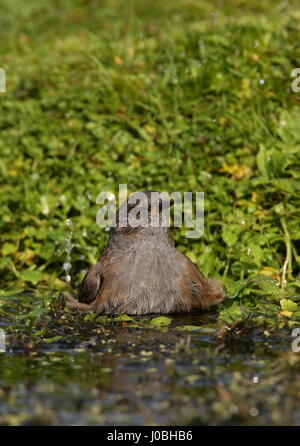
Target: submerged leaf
point(188, 328)
point(161, 321)
point(53, 339)
point(122, 318)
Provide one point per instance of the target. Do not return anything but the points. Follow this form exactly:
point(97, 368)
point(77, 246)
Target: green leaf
point(234, 289)
point(289, 305)
point(8, 248)
point(123, 318)
point(31, 276)
point(270, 286)
point(229, 237)
point(53, 339)
point(188, 328)
point(255, 253)
point(90, 317)
point(233, 313)
point(161, 321)
point(262, 161)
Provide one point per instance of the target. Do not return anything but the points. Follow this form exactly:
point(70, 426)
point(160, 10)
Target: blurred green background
point(186, 96)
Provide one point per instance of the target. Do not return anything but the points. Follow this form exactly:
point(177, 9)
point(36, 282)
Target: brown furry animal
point(141, 271)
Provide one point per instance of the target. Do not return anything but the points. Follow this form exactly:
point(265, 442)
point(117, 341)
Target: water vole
point(141, 271)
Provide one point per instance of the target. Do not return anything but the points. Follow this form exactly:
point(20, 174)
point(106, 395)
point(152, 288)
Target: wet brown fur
point(140, 272)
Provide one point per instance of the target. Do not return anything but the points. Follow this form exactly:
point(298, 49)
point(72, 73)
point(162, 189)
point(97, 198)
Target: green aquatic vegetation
point(160, 321)
point(177, 96)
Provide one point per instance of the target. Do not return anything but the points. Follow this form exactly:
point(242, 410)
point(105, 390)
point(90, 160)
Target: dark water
point(110, 374)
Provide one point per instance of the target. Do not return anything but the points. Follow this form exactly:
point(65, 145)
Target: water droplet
point(255, 379)
point(261, 81)
point(107, 229)
point(253, 411)
point(67, 266)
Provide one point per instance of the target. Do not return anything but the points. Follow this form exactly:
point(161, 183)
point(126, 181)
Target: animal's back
point(161, 281)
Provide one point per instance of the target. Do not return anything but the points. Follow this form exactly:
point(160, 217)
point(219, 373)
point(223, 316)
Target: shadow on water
point(90, 372)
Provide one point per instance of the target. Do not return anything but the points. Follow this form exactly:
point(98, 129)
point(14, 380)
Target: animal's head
point(143, 212)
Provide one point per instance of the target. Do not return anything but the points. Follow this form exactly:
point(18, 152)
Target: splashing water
point(67, 265)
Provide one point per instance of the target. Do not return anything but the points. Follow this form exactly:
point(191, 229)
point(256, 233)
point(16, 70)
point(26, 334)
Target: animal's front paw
point(74, 304)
